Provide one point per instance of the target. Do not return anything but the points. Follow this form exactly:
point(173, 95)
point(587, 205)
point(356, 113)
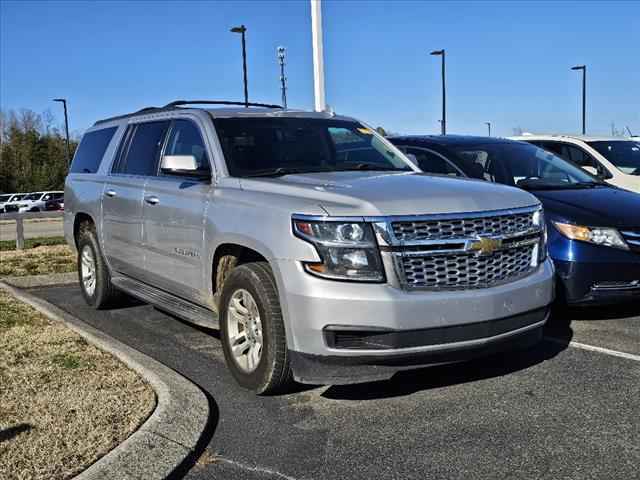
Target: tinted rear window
point(91, 150)
point(142, 155)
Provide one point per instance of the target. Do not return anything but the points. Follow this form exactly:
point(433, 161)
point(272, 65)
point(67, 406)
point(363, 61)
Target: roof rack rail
point(178, 103)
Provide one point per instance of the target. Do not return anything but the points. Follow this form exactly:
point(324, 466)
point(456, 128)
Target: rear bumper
point(337, 370)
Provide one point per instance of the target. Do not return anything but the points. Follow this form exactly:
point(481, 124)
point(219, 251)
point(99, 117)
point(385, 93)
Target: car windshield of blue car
point(624, 154)
point(523, 165)
point(272, 147)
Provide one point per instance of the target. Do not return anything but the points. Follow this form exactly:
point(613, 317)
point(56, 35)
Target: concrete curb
point(173, 430)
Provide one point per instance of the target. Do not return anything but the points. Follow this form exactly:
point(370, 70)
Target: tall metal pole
point(584, 100)
point(318, 56)
point(283, 79)
point(444, 97)
point(242, 30)
point(488, 124)
point(442, 54)
point(584, 96)
point(66, 126)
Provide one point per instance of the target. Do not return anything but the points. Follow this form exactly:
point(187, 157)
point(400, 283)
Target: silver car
point(316, 247)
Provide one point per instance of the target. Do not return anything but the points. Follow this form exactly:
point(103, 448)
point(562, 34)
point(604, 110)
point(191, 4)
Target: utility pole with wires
point(283, 79)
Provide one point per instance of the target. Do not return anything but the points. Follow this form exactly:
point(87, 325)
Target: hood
point(389, 193)
point(600, 207)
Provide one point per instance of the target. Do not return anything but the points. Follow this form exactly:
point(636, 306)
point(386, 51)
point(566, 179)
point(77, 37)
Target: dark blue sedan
point(594, 228)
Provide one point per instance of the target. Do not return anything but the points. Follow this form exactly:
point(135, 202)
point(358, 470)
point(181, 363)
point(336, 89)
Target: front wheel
point(252, 330)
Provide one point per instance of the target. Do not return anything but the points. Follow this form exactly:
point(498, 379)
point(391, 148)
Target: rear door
point(173, 210)
point(136, 161)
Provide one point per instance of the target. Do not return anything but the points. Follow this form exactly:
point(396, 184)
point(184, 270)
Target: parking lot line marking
point(266, 471)
point(593, 348)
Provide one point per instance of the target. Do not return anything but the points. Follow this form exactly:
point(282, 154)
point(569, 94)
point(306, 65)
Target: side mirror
point(183, 165)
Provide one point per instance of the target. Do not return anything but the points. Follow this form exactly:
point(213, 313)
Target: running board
point(166, 301)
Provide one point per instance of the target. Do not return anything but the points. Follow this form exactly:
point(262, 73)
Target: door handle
point(110, 193)
point(152, 200)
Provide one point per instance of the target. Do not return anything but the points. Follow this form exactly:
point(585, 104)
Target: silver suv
point(316, 247)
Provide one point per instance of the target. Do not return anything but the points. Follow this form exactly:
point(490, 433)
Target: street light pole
point(66, 126)
point(584, 96)
point(242, 30)
point(488, 124)
point(318, 56)
point(442, 54)
point(283, 79)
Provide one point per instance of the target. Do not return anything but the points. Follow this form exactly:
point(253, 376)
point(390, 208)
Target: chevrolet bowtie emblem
point(485, 246)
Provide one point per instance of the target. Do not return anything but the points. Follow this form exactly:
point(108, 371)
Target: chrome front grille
point(632, 237)
point(457, 271)
point(464, 251)
point(446, 229)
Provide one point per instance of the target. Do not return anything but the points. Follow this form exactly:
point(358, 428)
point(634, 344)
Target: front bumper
point(310, 305)
point(337, 370)
point(592, 274)
point(598, 283)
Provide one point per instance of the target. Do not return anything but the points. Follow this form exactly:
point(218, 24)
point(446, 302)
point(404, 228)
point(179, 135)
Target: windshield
point(625, 155)
point(4, 198)
point(523, 165)
point(33, 196)
point(279, 146)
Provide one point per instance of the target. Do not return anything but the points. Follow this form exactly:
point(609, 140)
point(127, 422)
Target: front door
point(173, 208)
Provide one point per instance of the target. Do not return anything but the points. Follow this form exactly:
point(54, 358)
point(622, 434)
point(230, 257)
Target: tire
point(271, 372)
point(100, 293)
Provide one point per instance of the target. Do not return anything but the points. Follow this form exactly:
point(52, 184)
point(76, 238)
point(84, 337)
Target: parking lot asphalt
point(555, 411)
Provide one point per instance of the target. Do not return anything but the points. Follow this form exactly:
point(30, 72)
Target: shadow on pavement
point(609, 312)
point(11, 432)
point(409, 382)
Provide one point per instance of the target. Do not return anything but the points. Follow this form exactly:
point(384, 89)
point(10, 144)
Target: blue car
point(593, 228)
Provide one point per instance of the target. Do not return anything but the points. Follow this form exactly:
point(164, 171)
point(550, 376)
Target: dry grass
point(63, 402)
point(38, 260)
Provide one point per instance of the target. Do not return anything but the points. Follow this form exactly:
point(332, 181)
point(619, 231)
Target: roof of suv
point(253, 110)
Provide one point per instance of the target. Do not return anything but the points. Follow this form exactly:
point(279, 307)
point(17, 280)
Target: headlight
point(348, 250)
point(608, 237)
point(539, 221)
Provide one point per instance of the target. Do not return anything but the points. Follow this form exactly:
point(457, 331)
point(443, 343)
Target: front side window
point(91, 150)
point(185, 139)
point(4, 198)
point(625, 155)
point(279, 146)
point(33, 196)
point(429, 162)
point(141, 156)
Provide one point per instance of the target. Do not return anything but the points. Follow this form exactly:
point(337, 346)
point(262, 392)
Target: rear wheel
point(252, 330)
point(93, 274)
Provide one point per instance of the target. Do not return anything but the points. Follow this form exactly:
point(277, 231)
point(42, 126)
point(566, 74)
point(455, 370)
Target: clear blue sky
point(507, 62)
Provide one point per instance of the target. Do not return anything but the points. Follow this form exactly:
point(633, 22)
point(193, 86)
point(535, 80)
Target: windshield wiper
point(279, 172)
point(372, 168)
point(542, 184)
